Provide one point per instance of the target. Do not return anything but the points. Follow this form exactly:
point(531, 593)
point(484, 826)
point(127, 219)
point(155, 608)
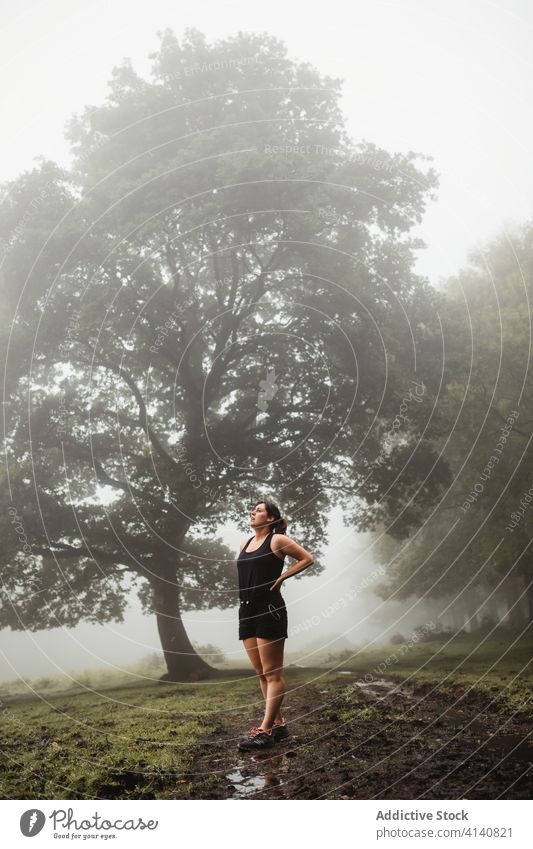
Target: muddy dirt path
point(384, 739)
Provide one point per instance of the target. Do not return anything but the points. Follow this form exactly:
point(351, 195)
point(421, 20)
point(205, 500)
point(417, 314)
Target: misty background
point(445, 79)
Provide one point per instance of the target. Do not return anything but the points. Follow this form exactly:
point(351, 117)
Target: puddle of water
point(244, 785)
point(376, 683)
point(261, 770)
point(376, 688)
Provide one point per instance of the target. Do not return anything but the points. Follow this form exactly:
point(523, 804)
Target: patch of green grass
point(136, 745)
point(358, 712)
point(465, 655)
point(468, 659)
point(127, 743)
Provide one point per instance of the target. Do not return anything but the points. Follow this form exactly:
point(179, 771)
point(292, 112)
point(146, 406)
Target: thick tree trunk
point(183, 662)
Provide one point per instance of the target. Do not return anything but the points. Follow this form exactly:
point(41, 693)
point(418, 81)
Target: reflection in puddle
point(369, 683)
point(244, 786)
point(259, 771)
point(376, 687)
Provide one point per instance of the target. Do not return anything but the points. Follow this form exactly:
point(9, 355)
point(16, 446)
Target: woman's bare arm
point(286, 545)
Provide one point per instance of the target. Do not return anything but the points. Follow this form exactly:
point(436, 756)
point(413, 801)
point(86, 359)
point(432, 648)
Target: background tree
point(216, 303)
point(471, 550)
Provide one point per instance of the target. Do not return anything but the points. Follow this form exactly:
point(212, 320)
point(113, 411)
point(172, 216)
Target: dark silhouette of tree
point(475, 548)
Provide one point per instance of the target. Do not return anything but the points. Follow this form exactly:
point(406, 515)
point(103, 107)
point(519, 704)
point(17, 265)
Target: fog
point(445, 79)
point(336, 609)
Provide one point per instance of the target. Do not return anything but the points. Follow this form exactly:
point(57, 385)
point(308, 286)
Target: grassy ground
point(178, 741)
point(134, 742)
point(503, 664)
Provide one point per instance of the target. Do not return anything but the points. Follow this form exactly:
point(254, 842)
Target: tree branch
point(143, 414)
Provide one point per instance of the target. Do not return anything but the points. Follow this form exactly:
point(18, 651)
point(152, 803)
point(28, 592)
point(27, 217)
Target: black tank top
point(258, 570)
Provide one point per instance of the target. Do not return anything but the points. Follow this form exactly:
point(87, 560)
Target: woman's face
point(259, 517)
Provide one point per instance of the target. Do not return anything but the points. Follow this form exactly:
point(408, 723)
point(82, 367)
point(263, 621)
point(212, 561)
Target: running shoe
point(279, 730)
point(256, 739)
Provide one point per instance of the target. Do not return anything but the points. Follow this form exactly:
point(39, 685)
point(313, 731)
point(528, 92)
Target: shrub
point(210, 653)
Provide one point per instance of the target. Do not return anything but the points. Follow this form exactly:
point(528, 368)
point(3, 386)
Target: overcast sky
point(447, 78)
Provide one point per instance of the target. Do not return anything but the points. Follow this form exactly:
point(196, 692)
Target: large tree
point(216, 302)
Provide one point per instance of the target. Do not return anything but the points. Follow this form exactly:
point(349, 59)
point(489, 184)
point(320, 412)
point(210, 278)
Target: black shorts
point(265, 618)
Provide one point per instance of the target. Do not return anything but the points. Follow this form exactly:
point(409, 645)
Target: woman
point(263, 615)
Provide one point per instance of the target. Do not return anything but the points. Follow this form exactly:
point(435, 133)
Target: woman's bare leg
point(271, 657)
point(250, 644)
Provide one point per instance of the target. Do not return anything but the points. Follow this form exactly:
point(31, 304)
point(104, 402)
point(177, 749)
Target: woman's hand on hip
point(277, 584)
